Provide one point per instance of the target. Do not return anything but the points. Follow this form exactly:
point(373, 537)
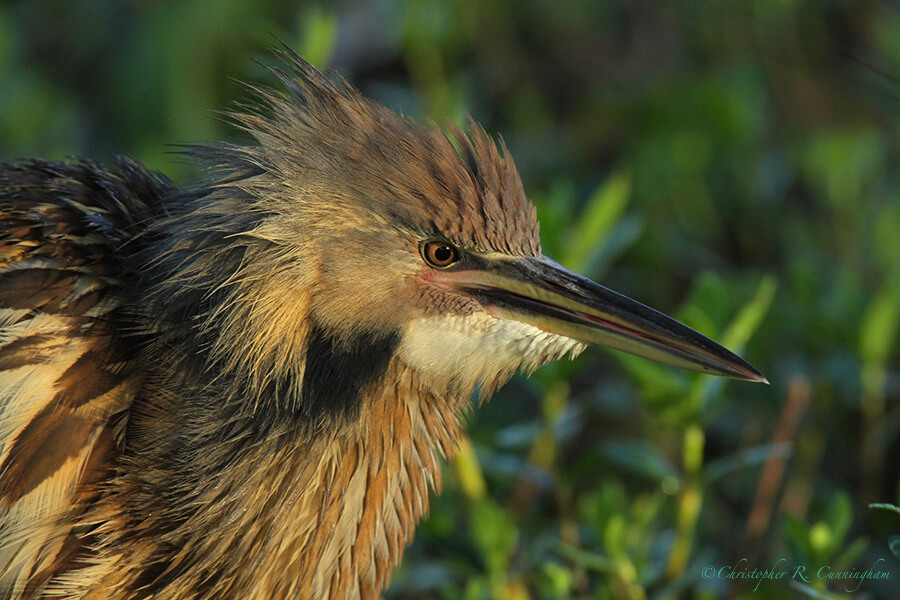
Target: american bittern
point(242, 389)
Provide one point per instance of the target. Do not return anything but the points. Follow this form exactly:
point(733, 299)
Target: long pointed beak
point(543, 293)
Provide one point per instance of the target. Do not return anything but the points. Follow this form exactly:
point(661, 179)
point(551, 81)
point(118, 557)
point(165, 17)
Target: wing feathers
point(64, 372)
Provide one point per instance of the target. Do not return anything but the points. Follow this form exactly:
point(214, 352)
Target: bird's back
point(66, 373)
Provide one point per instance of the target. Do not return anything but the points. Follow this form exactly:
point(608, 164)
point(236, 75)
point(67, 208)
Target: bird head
point(356, 235)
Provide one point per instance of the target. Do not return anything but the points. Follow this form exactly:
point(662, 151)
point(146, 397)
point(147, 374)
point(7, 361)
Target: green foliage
point(591, 233)
point(494, 533)
point(879, 326)
point(319, 34)
point(886, 506)
point(736, 164)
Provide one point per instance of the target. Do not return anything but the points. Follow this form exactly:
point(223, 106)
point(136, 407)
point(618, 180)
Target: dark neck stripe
point(337, 372)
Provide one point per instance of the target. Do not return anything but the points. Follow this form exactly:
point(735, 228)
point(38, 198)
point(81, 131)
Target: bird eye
point(439, 254)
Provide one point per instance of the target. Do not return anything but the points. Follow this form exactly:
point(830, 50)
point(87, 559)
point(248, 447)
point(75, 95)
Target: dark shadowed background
point(736, 164)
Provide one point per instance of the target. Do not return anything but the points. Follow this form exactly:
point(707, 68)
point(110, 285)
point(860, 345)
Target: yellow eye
point(439, 254)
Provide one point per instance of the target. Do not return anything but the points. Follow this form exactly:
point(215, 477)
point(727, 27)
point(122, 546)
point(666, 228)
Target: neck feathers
point(295, 514)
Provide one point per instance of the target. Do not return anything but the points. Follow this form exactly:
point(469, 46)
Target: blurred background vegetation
point(736, 164)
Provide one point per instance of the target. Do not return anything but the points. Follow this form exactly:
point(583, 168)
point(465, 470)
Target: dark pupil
point(443, 254)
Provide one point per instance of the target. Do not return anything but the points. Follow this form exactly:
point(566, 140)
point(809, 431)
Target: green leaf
point(638, 456)
point(658, 382)
point(615, 534)
point(850, 555)
point(742, 327)
point(879, 326)
point(595, 508)
point(894, 545)
point(885, 506)
point(839, 516)
point(555, 208)
point(477, 588)
point(707, 307)
point(796, 534)
point(748, 319)
point(744, 459)
point(841, 163)
point(559, 579)
point(495, 534)
point(603, 211)
point(319, 34)
point(586, 559)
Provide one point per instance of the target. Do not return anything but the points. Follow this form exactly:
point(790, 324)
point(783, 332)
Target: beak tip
point(755, 376)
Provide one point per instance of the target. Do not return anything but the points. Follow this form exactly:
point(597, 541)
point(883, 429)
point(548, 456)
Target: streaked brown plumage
point(243, 389)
